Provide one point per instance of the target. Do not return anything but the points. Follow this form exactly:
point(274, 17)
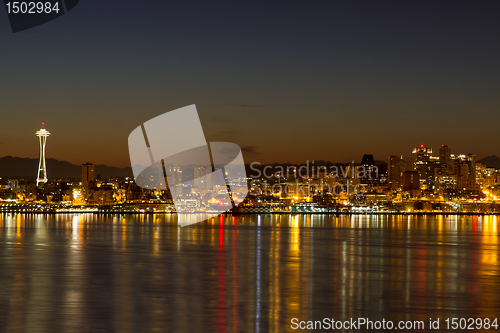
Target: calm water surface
point(252, 273)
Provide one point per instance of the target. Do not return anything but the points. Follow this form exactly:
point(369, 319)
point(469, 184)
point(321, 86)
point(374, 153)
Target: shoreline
point(255, 213)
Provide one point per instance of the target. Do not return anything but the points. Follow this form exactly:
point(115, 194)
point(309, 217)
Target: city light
point(423, 184)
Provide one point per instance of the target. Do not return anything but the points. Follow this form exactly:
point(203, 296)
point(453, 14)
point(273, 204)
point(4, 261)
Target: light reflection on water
point(251, 273)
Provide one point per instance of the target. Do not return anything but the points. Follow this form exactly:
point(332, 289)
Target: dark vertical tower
point(470, 160)
point(444, 156)
point(87, 178)
point(370, 169)
point(394, 172)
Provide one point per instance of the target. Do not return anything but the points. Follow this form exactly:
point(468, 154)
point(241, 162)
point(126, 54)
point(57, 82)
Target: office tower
point(406, 165)
point(200, 179)
point(444, 156)
point(87, 178)
point(471, 163)
point(367, 160)
point(467, 174)
point(422, 164)
point(175, 173)
point(369, 168)
point(31, 191)
point(411, 180)
point(200, 172)
point(13, 184)
point(42, 134)
point(394, 172)
point(421, 154)
point(464, 169)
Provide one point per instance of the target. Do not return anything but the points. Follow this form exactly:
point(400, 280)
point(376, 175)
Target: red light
point(421, 146)
point(43, 123)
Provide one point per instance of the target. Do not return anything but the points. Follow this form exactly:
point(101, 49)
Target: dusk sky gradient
point(288, 82)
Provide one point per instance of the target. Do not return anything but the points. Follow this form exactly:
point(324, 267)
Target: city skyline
point(431, 181)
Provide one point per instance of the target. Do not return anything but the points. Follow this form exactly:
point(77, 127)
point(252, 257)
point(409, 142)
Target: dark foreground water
point(253, 273)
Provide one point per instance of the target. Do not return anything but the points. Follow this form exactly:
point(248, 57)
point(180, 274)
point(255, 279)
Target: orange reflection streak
point(489, 247)
point(294, 241)
point(124, 234)
point(305, 269)
point(18, 226)
point(235, 277)
point(488, 265)
point(156, 240)
point(292, 298)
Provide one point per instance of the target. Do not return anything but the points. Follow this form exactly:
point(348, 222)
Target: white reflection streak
point(73, 284)
point(344, 276)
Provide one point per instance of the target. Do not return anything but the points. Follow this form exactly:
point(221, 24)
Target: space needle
point(42, 168)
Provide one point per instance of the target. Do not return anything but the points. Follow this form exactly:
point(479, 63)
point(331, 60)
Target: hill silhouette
point(18, 167)
point(492, 161)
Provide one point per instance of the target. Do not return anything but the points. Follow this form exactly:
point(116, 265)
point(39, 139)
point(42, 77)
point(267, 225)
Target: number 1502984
point(32, 7)
point(470, 323)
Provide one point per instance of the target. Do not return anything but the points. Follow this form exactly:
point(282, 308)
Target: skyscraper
point(87, 178)
point(175, 173)
point(369, 169)
point(394, 172)
point(368, 160)
point(42, 168)
point(470, 160)
point(200, 179)
point(444, 156)
point(422, 164)
point(465, 168)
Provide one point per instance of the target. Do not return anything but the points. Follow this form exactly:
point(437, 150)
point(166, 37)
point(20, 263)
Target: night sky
point(288, 81)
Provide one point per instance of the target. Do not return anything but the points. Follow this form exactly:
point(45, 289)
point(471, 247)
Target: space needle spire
point(42, 168)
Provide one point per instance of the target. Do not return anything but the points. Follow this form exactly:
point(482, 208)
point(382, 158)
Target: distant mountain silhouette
point(17, 167)
point(492, 161)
